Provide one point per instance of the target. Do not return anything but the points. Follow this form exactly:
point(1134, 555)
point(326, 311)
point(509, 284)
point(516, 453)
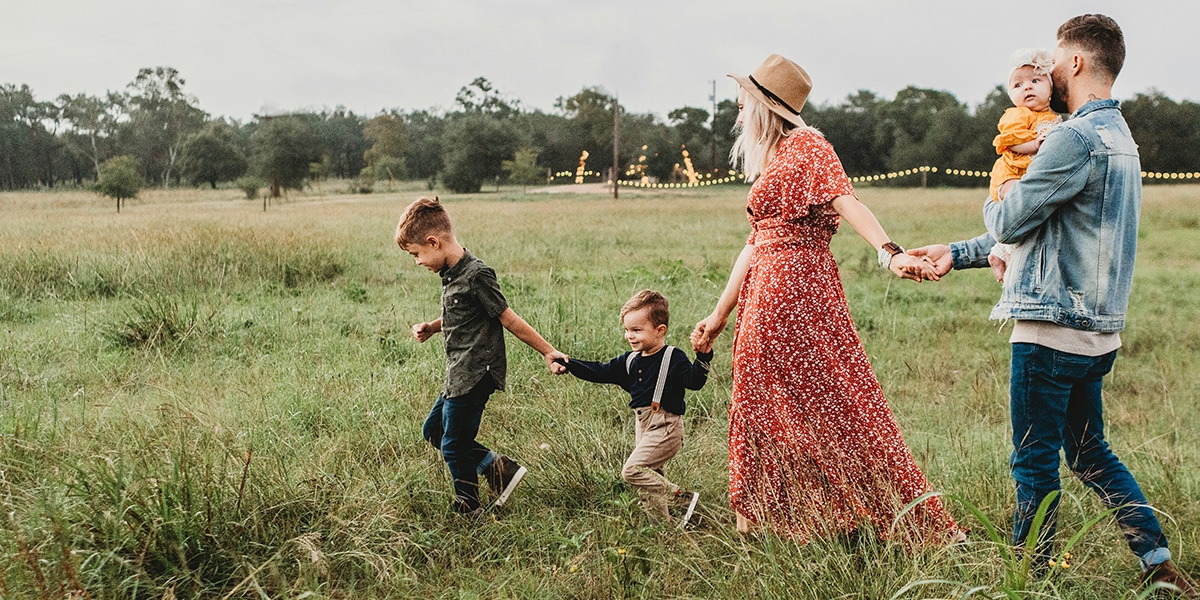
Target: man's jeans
point(451, 428)
point(1055, 404)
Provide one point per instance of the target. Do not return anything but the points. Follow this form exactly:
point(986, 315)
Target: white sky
point(240, 57)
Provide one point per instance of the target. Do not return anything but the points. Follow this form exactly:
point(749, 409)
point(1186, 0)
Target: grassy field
point(200, 399)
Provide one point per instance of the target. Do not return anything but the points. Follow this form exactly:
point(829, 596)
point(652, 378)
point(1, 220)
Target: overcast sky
point(242, 57)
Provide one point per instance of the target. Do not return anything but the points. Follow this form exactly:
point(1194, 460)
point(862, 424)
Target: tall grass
point(199, 399)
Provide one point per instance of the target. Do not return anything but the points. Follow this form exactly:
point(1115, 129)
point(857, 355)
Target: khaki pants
point(658, 437)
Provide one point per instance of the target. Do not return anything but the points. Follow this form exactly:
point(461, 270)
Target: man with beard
point(1074, 218)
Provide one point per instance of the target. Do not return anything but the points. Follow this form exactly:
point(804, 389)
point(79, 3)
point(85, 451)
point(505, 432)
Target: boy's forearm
point(525, 332)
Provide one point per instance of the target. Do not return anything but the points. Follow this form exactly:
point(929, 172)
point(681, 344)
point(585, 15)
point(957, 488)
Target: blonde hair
point(659, 312)
point(759, 132)
point(424, 217)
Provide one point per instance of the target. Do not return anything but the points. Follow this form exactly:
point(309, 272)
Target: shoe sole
point(512, 485)
point(691, 509)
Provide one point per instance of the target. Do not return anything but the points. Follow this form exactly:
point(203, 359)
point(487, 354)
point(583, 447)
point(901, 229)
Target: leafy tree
point(851, 128)
point(476, 147)
point(523, 169)
point(119, 179)
point(907, 121)
point(424, 155)
point(723, 123)
point(161, 116)
point(1167, 132)
point(591, 115)
point(213, 154)
point(342, 142)
point(691, 130)
point(481, 97)
point(93, 123)
point(283, 148)
point(27, 148)
point(388, 146)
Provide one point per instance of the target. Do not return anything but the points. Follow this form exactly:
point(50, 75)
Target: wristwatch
point(886, 252)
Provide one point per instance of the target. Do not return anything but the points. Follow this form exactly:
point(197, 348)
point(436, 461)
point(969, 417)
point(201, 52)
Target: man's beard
point(1058, 99)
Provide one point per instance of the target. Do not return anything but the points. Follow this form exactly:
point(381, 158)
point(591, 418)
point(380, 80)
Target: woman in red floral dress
point(814, 450)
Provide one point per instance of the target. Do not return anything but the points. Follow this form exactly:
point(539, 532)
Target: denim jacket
point(1073, 219)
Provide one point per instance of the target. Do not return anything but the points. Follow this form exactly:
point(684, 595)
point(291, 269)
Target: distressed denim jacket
point(1073, 218)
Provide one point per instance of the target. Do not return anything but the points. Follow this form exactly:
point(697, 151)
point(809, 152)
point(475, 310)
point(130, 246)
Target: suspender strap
point(662, 375)
point(662, 379)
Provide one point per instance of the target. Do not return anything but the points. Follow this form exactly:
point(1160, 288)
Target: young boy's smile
point(431, 255)
point(643, 335)
point(1030, 89)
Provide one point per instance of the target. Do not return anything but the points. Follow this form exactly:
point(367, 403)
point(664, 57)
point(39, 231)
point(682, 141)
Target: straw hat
point(781, 85)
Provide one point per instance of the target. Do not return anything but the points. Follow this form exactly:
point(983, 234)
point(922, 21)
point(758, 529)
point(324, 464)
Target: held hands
point(556, 361)
point(706, 331)
point(936, 260)
point(907, 266)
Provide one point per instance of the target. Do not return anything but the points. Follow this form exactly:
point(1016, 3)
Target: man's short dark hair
point(1100, 37)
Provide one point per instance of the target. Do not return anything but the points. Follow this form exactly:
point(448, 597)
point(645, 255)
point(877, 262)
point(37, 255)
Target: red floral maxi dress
point(813, 447)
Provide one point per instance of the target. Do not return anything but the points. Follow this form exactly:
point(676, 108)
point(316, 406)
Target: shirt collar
point(1095, 105)
point(458, 268)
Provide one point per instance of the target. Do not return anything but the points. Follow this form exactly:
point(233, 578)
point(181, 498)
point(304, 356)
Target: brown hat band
point(771, 95)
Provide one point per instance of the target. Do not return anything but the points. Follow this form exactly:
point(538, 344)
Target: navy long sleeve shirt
point(642, 376)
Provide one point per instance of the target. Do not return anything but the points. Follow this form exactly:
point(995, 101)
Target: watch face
point(893, 248)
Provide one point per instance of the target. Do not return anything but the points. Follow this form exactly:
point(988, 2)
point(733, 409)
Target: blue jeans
point(1055, 404)
point(451, 428)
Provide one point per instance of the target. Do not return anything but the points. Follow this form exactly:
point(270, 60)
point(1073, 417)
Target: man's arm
point(526, 333)
point(1057, 174)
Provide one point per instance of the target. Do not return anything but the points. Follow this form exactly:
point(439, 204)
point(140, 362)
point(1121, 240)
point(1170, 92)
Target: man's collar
point(1095, 105)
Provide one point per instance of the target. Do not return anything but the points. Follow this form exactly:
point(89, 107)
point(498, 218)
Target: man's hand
point(552, 363)
point(939, 257)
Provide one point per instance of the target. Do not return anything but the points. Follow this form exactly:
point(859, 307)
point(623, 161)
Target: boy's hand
point(424, 331)
point(700, 345)
point(557, 362)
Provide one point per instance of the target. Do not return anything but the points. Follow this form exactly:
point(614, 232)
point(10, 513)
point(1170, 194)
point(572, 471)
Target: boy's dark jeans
point(451, 428)
point(1055, 404)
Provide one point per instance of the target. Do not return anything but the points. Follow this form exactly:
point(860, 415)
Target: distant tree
point(690, 126)
point(388, 146)
point(282, 150)
point(907, 121)
point(161, 116)
point(476, 147)
point(93, 123)
point(481, 97)
point(851, 128)
point(591, 115)
point(342, 142)
point(723, 122)
point(213, 154)
point(119, 179)
point(1167, 132)
point(523, 169)
point(424, 156)
point(27, 147)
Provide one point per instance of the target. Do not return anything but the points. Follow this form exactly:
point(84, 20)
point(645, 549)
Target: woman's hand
point(707, 330)
point(908, 266)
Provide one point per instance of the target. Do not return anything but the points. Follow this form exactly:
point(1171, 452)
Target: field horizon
point(203, 399)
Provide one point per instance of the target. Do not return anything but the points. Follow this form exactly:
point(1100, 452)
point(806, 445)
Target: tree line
point(154, 126)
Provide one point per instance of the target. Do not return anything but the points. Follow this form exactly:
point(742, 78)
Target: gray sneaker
point(503, 476)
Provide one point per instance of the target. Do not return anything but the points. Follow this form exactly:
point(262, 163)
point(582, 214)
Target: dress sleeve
point(1016, 127)
point(810, 174)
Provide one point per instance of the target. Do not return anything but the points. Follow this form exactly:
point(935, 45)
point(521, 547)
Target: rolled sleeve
point(972, 253)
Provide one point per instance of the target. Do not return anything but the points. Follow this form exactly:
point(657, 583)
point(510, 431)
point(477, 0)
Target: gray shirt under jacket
point(474, 338)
